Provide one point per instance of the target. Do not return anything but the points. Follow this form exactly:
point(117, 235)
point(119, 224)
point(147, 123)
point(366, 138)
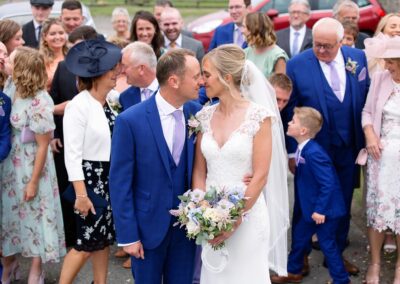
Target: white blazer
point(86, 133)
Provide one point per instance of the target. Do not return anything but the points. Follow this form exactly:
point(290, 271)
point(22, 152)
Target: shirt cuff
point(292, 155)
point(128, 244)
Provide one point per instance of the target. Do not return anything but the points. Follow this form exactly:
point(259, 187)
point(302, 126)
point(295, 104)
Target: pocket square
point(362, 75)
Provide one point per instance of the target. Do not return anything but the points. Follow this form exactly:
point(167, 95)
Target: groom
point(151, 164)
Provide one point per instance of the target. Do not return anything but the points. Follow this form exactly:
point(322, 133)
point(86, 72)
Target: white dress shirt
point(36, 25)
point(152, 87)
point(236, 33)
point(302, 34)
point(340, 67)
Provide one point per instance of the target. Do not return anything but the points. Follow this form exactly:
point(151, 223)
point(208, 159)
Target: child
point(283, 88)
point(350, 33)
point(319, 202)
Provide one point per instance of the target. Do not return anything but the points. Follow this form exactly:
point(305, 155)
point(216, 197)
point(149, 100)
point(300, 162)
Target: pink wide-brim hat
point(382, 46)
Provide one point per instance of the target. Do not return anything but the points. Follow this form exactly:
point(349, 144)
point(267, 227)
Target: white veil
point(256, 88)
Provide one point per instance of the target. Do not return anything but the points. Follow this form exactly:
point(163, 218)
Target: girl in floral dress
point(31, 223)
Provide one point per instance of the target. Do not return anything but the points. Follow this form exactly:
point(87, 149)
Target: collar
point(301, 31)
point(152, 87)
point(36, 24)
point(302, 144)
point(164, 107)
point(339, 60)
point(178, 41)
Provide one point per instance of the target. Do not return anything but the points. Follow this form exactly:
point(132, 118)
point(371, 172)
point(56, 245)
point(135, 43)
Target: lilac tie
point(295, 46)
point(146, 93)
point(297, 156)
point(335, 80)
point(179, 136)
point(239, 39)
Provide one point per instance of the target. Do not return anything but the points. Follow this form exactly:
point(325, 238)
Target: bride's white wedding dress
point(245, 256)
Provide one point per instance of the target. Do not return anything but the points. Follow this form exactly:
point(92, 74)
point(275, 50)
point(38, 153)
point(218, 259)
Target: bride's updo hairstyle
point(228, 59)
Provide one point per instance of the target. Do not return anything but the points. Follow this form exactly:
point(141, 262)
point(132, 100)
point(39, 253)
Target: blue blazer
point(223, 35)
point(130, 97)
point(308, 80)
point(5, 127)
point(140, 175)
point(317, 185)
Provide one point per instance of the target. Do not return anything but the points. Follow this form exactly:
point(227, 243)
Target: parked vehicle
point(21, 12)
point(370, 13)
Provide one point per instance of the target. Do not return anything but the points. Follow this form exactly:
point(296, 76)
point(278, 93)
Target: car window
point(280, 5)
point(363, 3)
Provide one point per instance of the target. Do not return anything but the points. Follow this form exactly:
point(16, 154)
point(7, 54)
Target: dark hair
point(82, 33)
point(86, 83)
point(71, 5)
point(247, 3)
point(282, 81)
point(171, 63)
point(164, 3)
point(158, 40)
point(351, 28)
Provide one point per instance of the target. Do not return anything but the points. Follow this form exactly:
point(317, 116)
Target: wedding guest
point(319, 200)
point(159, 7)
point(63, 89)
point(11, 35)
point(381, 125)
point(31, 212)
point(3, 59)
point(53, 46)
point(5, 109)
point(120, 21)
point(71, 15)
point(122, 84)
point(31, 31)
point(145, 28)
point(262, 50)
point(350, 33)
point(88, 126)
point(283, 88)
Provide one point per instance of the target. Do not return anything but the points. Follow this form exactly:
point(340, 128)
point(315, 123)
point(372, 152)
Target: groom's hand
point(135, 250)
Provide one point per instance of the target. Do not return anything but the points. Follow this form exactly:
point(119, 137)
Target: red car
point(370, 13)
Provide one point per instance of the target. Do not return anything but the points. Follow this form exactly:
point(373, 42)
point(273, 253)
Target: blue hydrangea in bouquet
point(205, 215)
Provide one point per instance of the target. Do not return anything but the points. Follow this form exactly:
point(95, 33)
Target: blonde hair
point(48, 53)
point(309, 118)
point(228, 59)
point(261, 30)
point(383, 22)
point(29, 74)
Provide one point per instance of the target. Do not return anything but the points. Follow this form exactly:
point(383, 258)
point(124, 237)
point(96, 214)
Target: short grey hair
point(302, 2)
point(334, 22)
point(120, 11)
point(141, 53)
point(342, 4)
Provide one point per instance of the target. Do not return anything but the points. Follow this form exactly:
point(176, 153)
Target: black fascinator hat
point(92, 58)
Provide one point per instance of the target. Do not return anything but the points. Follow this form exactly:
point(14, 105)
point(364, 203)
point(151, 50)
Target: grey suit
point(194, 45)
point(283, 40)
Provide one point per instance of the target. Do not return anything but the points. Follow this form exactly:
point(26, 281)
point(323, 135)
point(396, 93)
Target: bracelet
point(81, 195)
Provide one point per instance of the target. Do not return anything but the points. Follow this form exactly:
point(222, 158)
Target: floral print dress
point(33, 228)
point(383, 180)
point(96, 233)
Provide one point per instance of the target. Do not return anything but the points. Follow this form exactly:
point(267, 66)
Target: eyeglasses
point(236, 7)
point(297, 13)
point(320, 46)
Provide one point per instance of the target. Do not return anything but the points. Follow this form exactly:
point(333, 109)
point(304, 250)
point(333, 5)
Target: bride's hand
point(224, 235)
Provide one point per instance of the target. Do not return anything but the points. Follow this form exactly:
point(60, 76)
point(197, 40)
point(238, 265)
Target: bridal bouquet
point(207, 214)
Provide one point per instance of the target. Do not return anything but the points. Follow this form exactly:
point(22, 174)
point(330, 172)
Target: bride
point(243, 135)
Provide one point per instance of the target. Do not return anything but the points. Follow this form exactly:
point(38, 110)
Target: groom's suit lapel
point(153, 117)
point(189, 144)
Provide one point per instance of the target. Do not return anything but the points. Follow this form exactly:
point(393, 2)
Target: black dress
point(96, 233)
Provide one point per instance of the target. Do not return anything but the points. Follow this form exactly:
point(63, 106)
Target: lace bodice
point(227, 165)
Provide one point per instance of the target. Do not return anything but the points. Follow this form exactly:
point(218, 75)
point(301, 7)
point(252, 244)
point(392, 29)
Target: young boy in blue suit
point(319, 202)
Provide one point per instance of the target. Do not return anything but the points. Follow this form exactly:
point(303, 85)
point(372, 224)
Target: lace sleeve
point(256, 116)
point(204, 117)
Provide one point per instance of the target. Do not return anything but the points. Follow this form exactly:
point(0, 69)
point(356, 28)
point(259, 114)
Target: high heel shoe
point(372, 276)
point(14, 274)
point(397, 275)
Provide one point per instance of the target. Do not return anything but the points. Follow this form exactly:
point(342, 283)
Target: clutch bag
point(27, 135)
point(99, 203)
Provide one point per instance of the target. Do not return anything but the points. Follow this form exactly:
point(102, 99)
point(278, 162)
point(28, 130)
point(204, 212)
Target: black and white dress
point(97, 233)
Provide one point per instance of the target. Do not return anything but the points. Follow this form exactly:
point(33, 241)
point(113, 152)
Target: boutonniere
point(194, 125)
point(2, 102)
point(351, 66)
point(115, 105)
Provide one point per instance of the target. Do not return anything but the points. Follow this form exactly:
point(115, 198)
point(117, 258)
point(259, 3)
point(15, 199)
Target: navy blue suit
point(317, 190)
point(5, 128)
point(130, 97)
point(341, 135)
point(223, 35)
point(144, 185)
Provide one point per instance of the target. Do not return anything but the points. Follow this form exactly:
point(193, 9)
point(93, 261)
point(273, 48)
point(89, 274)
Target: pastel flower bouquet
point(207, 214)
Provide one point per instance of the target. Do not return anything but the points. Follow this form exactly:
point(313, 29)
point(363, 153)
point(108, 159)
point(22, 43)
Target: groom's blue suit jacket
point(140, 176)
point(310, 88)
